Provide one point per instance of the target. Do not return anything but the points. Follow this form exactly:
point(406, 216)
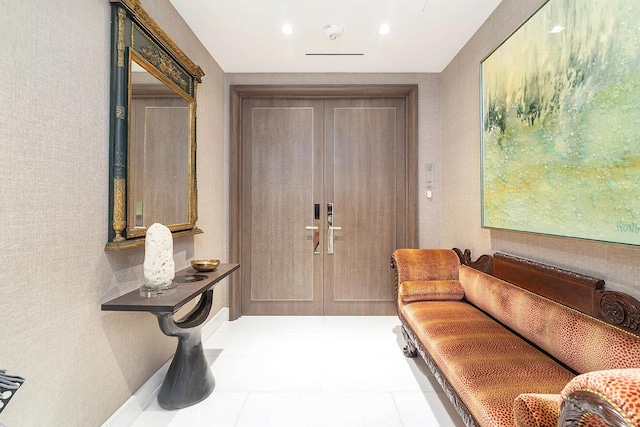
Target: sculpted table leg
point(189, 379)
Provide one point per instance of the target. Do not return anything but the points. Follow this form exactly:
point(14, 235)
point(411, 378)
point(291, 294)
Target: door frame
point(238, 93)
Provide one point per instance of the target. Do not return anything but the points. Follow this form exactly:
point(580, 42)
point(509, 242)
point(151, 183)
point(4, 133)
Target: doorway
point(323, 190)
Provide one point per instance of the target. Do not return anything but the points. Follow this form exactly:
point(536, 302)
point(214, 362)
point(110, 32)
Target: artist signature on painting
point(627, 227)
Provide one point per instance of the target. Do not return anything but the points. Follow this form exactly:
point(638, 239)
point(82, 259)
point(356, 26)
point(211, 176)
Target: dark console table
point(189, 379)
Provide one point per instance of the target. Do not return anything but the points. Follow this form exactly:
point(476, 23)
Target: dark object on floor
point(9, 385)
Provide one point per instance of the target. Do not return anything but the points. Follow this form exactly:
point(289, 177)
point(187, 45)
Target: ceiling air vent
point(334, 54)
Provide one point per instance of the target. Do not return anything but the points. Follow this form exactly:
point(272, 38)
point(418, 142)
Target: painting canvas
point(561, 123)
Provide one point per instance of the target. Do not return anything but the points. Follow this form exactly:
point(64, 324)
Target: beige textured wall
point(80, 364)
point(429, 130)
point(617, 264)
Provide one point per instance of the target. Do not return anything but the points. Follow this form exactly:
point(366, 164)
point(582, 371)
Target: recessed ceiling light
point(287, 29)
point(384, 29)
point(557, 29)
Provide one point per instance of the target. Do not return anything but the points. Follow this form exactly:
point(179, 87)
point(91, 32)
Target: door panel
point(282, 273)
point(362, 179)
point(301, 153)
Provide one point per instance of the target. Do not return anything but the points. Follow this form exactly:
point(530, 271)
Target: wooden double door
point(324, 185)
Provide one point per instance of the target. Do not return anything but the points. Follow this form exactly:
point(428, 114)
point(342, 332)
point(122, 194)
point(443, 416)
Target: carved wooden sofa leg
point(410, 349)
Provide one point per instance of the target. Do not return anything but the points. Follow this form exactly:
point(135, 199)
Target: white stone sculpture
point(159, 266)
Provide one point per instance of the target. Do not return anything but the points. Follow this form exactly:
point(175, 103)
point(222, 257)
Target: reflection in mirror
point(159, 152)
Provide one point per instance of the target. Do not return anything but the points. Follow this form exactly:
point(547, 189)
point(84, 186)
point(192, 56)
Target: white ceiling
point(244, 36)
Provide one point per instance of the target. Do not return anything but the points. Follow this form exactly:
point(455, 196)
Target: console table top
point(190, 283)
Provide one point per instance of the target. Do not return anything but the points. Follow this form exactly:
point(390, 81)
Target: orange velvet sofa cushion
point(579, 341)
point(430, 290)
point(536, 410)
point(487, 365)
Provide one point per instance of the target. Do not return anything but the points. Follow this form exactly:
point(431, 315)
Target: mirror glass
point(159, 152)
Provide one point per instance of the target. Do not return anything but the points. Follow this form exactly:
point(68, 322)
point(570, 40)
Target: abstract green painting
point(561, 123)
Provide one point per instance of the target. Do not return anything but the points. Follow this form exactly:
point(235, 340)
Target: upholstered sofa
point(507, 356)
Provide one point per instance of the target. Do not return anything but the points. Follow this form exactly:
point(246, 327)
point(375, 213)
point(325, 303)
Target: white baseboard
point(133, 407)
point(214, 323)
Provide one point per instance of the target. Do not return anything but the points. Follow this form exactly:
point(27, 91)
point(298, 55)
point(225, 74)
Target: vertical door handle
point(316, 228)
point(330, 228)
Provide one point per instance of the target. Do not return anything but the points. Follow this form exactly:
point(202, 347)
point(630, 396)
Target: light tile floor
point(312, 371)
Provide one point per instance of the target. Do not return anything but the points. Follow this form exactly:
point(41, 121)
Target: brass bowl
point(205, 264)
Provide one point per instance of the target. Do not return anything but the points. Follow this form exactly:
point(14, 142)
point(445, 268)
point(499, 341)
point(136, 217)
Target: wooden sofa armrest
point(612, 397)
point(425, 264)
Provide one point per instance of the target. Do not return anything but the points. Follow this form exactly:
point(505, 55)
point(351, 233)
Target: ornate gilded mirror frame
point(135, 35)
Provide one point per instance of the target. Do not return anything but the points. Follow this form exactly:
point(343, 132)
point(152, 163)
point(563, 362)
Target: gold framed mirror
point(152, 130)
